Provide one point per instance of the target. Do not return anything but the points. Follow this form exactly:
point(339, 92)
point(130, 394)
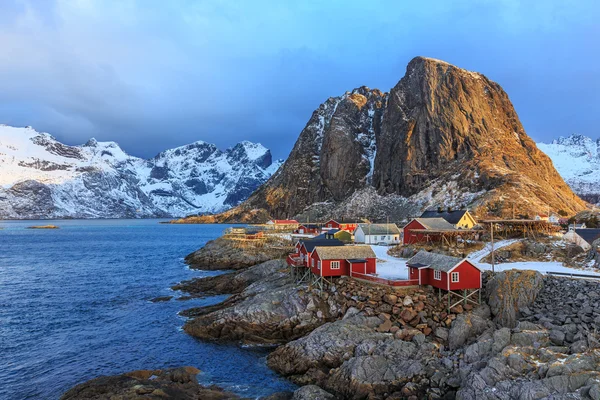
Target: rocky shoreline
point(534, 337)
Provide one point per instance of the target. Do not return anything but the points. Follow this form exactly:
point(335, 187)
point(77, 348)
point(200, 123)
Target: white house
point(553, 219)
point(377, 233)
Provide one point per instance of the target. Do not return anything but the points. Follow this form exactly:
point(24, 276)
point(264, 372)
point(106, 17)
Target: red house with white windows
point(304, 249)
point(308, 229)
point(344, 225)
point(444, 272)
point(342, 261)
point(415, 230)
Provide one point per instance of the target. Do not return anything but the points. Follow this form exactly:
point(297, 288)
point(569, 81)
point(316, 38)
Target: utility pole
point(492, 234)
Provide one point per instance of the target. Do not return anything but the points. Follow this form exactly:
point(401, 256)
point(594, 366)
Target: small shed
point(377, 233)
point(457, 277)
point(419, 224)
point(444, 272)
point(344, 236)
point(341, 261)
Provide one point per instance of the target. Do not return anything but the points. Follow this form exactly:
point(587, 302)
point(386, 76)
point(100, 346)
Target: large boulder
point(327, 346)
point(468, 326)
point(510, 291)
point(312, 392)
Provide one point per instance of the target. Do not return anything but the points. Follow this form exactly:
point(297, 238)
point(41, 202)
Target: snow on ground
point(541, 266)
point(389, 267)
point(476, 256)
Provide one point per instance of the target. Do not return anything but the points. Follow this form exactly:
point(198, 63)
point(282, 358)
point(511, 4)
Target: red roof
point(284, 221)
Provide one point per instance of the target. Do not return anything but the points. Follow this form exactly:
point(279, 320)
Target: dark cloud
point(153, 74)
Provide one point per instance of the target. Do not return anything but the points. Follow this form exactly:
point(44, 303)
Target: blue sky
point(155, 74)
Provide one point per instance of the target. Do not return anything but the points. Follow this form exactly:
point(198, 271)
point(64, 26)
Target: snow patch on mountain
point(577, 160)
point(43, 178)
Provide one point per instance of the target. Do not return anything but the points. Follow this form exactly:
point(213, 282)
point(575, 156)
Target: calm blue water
point(74, 306)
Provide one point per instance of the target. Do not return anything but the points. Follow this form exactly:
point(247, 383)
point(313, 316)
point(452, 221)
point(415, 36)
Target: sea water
point(75, 304)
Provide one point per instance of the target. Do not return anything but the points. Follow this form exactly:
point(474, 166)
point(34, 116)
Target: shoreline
point(343, 341)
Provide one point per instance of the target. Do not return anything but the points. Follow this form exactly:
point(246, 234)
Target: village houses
point(387, 234)
point(460, 219)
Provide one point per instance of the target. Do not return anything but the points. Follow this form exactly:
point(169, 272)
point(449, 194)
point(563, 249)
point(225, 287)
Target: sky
point(155, 74)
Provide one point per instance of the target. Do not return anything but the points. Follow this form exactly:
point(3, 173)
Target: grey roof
point(379, 229)
point(589, 235)
point(450, 216)
point(437, 262)
point(435, 223)
point(345, 252)
point(310, 244)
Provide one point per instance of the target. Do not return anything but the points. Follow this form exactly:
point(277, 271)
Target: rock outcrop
point(222, 253)
point(234, 282)
point(509, 292)
point(268, 311)
point(175, 384)
point(443, 135)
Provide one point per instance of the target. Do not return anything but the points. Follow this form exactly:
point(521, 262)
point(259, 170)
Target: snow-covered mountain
point(577, 160)
point(43, 178)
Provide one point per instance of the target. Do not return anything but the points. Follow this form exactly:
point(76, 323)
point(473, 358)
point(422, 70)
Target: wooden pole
point(492, 234)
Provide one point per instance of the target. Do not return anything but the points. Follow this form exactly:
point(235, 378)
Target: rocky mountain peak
point(442, 136)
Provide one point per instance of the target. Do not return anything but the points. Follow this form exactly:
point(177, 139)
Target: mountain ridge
point(41, 177)
point(577, 158)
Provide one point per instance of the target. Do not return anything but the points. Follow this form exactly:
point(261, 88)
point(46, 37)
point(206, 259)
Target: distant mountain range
point(577, 160)
point(43, 178)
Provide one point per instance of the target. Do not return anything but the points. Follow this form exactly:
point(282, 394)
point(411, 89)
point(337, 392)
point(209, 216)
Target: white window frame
point(452, 275)
point(334, 265)
point(319, 265)
point(437, 275)
point(312, 262)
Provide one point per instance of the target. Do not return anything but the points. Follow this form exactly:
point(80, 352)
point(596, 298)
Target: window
point(318, 264)
point(312, 261)
point(454, 277)
point(383, 238)
point(437, 275)
point(335, 265)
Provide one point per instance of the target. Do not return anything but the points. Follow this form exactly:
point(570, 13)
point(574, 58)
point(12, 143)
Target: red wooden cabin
point(444, 272)
point(340, 261)
point(304, 249)
point(308, 229)
point(433, 224)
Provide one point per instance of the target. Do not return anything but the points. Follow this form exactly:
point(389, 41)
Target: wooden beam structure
point(531, 228)
point(448, 236)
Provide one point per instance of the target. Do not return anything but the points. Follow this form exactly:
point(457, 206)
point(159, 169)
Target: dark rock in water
point(162, 298)
point(175, 383)
point(224, 254)
point(510, 291)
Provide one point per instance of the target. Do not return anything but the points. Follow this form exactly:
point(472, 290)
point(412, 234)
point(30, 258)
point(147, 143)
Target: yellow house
point(460, 219)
